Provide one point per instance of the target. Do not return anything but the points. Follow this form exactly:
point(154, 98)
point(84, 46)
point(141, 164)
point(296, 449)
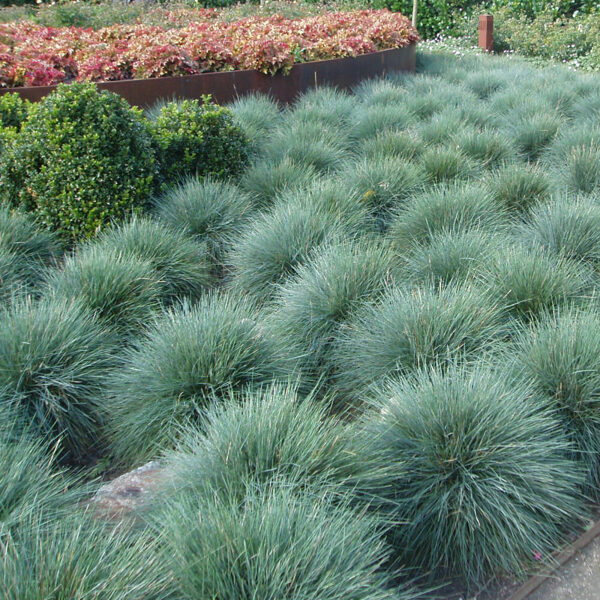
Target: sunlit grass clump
point(476, 475)
point(561, 358)
point(276, 544)
point(55, 356)
point(259, 438)
point(189, 357)
point(413, 328)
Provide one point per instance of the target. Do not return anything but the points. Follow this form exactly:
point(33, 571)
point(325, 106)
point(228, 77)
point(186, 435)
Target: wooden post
point(414, 14)
point(486, 32)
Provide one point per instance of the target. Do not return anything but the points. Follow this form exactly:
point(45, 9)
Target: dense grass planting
point(365, 348)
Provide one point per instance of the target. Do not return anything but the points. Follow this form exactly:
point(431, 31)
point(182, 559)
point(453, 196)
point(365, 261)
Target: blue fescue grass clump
point(324, 105)
point(275, 244)
point(449, 256)
point(560, 356)
point(519, 187)
point(368, 121)
point(476, 476)
point(391, 144)
point(450, 207)
point(54, 359)
point(257, 115)
point(276, 544)
point(532, 134)
point(440, 127)
point(19, 276)
point(259, 438)
point(78, 557)
point(213, 212)
point(383, 182)
point(380, 92)
point(526, 282)
point(487, 146)
point(308, 143)
point(29, 478)
point(265, 180)
point(188, 357)
point(412, 328)
point(446, 163)
point(313, 306)
point(122, 290)
point(181, 262)
point(568, 226)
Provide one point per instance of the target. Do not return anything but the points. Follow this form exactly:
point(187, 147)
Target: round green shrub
point(181, 263)
point(276, 544)
point(561, 358)
point(527, 282)
point(83, 159)
point(193, 138)
point(518, 187)
point(409, 329)
point(189, 357)
point(260, 438)
point(212, 211)
point(476, 476)
point(54, 361)
point(450, 207)
point(13, 111)
point(274, 244)
point(122, 290)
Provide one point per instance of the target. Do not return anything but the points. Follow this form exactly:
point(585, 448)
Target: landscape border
point(226, 86)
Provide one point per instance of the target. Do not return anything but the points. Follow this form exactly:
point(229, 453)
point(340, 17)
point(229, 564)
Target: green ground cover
point(369, 355)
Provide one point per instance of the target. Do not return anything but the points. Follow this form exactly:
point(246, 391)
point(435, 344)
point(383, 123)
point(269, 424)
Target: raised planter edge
point(226, 86)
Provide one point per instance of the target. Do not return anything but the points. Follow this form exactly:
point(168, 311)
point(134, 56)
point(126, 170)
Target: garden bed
point(227, 86)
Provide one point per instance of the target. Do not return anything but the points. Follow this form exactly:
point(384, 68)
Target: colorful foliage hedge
point(32, 55)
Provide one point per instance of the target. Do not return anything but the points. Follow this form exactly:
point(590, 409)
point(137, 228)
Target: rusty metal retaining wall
point(226, 86)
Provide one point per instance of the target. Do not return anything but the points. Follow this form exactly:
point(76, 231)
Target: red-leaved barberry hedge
point(34, 55)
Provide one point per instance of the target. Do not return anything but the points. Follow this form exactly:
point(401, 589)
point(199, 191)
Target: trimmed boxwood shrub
point(82, 159)
point(476, 476)
point(54, 358)
point(189, 357)
point(193, 138)
point(13, 111)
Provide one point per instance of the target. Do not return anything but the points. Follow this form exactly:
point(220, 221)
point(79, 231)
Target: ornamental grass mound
point(189, 357)
point(54, 358)
point(276, 544)
point(122, 290)
point(182, 264)
point(261, 437)
point(213, 212)
point(559, 357)
point(476, 476)
point(413, 328)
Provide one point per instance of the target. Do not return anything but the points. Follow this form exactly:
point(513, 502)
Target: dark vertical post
point(486, 32)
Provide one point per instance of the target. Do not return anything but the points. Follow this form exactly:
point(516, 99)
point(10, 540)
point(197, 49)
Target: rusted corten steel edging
point(229, 85)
